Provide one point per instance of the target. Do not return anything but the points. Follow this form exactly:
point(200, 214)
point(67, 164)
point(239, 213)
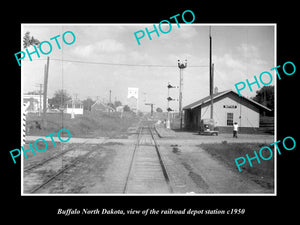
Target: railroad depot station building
point(228, 107)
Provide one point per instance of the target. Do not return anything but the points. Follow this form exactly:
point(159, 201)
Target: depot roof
point(218, 95)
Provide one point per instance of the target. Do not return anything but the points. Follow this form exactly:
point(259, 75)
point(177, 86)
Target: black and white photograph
point(175, 109)
point(149, 111)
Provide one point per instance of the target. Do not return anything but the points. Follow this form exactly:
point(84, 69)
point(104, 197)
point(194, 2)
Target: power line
point(119, 64)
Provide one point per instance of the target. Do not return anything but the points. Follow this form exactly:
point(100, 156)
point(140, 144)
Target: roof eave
point(188, 107)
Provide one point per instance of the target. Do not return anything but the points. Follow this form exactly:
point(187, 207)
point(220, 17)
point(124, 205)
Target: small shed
point(74, 107)
point(99, 106)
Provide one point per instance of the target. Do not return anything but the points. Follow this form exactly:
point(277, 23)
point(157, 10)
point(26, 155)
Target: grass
point(262, 173)
point(33, 159)
point(87, 125)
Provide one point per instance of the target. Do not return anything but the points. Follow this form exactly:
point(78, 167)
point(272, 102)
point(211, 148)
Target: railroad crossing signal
point(168, 124)
point(182, 65)
point(170, 86)
point(170, 99)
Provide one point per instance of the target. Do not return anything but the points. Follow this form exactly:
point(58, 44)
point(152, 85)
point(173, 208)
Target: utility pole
point(109, 96)
point(40, 108)
point(181, 67)
point(45, 93)
point(265, 99)
point(40, 102)
point(145, 96)
point(74, 100)
point(151, 104)
point(212, 92)
point(211, 76)
point(72, 113)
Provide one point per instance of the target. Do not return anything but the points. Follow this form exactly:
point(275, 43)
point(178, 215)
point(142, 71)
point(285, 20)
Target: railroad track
point(147, 173)
point(39, 164)
point(53, 167)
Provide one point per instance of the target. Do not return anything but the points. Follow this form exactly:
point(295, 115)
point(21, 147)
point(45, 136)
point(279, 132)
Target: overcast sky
point(239, 52)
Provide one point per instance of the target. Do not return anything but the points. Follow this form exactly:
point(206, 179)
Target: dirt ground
point(191, 169)
point(194, 170)
point(97, 174)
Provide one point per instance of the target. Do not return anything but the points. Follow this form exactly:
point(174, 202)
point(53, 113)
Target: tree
point(111, 105)
point(117, 103)
point(126, 108)
point(60, 99)
point(87, 103)
point(159, 110)
point(265, 96)
point(28, 41)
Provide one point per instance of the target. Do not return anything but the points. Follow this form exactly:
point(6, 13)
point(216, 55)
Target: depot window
point(229, 119)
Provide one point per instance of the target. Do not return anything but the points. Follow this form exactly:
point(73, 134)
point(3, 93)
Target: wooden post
point(211, 82)
point(45, 93)
point(181, 67)
point(211, 94)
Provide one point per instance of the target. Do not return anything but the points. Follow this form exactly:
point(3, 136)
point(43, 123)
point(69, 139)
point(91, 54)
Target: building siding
point(36, 102)
point(76, 111)
point(244, 112)
point(101, 107)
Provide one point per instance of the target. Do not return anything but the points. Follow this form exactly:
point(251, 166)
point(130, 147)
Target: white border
point(138, 24)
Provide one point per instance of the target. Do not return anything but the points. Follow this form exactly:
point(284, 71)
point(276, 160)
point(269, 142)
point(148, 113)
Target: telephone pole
point(181, 67)
point(109, 96)
point(211, 76)
point(151, 105)
point(45, 93)
point(40, 94)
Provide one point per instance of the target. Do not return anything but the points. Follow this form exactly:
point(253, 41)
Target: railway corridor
point(38, 176)
point(147, 173)
point(141, 164)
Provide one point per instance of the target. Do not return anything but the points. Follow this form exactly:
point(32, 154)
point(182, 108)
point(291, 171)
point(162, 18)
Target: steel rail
point(50, 158)
point(161, 161)
point(132, 159)
point(73, 163)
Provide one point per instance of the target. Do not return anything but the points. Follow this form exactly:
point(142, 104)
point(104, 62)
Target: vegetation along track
point(41, 174)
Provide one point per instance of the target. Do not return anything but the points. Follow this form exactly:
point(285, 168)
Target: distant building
point(74, 107)
point(36, 102)
point(120, 108)
point(132, 98)
point(228, 108)
point(99, 106)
